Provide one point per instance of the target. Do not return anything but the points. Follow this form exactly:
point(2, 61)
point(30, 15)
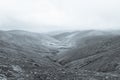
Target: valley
point(70, 55)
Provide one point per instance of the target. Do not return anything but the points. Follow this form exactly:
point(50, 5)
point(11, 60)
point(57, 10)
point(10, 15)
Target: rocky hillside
point(101, 51)
point(78, 55)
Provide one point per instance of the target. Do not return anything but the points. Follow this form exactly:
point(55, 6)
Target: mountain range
point(66, 55)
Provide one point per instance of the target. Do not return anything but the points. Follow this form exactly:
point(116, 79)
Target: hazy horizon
point(59, 15)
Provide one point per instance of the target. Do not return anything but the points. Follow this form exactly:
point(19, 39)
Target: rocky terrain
point(75, 55)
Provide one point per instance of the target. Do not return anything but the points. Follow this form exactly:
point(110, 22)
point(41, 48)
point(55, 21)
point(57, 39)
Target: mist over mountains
point(65, 55)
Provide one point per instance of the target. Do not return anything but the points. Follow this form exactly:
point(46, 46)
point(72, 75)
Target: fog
point(51, 15)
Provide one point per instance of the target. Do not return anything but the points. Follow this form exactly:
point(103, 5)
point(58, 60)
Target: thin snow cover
point(2, 77)
point(16, 68)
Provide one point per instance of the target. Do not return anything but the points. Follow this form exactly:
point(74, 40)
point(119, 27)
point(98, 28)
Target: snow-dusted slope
point(29, 40)
point(79, 38)
point(103, 56)
point(31, 56)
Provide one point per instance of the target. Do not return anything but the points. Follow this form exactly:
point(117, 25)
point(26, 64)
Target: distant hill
point(29, 40)
point(81, 38)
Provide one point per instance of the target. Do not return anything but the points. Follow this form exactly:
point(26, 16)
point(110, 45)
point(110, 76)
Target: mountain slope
point(33, 56)
point(81, 38)
point(27, 40)
point(105, 55)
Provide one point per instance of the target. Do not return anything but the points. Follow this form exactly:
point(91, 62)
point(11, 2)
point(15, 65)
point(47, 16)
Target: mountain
point(73, 55)
point(28, 40)
point(103, 56)
point(81, 38)
point(22, 53)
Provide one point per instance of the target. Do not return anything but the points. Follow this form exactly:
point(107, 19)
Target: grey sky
point(49, 15)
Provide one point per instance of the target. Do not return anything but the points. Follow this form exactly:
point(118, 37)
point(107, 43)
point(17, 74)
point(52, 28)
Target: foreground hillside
point(22, 53)
point(86, 55)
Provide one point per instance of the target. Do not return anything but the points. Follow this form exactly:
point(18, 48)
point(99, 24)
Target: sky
point(52, 15)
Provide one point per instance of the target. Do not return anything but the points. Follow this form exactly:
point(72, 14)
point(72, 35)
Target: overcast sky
point(51, 15)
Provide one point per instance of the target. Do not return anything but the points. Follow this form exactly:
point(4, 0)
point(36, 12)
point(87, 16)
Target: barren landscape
point(69, 55)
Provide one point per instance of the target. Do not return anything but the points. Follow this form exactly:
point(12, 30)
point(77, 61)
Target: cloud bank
point(49, 15)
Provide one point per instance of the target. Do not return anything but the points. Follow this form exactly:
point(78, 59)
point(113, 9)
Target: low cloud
point(49, 15)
